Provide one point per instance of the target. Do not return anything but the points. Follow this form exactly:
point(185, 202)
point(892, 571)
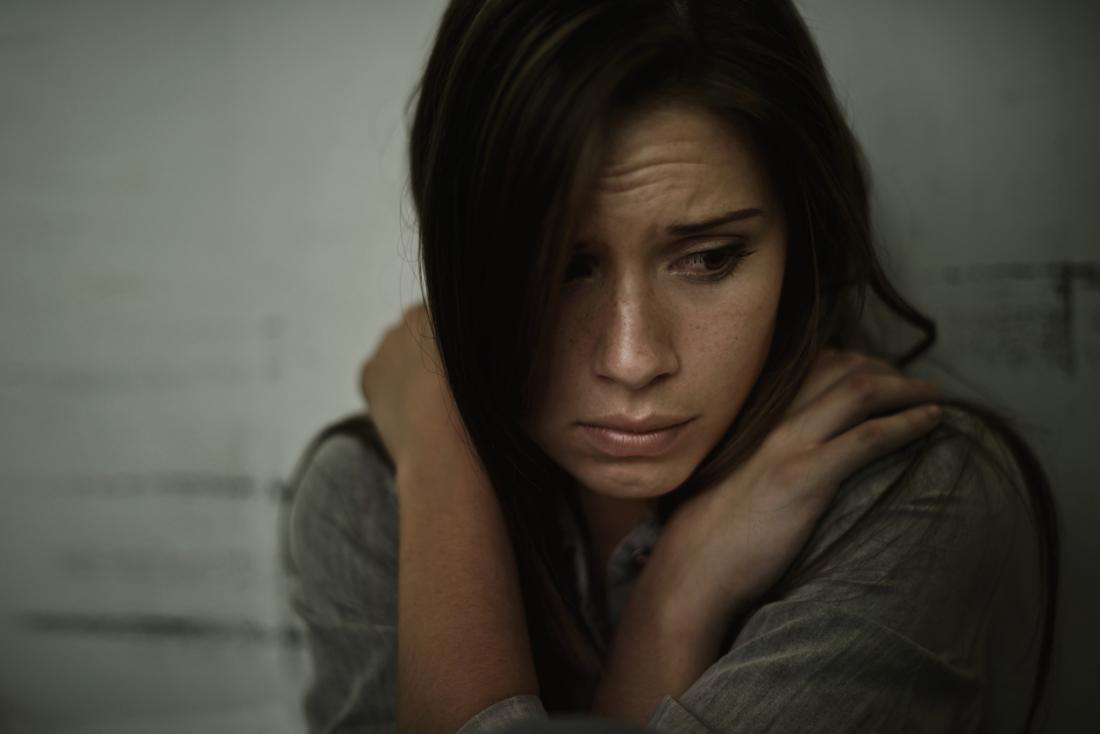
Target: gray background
point(203, 231)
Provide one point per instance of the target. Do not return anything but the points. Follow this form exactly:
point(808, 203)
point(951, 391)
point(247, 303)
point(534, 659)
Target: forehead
point(674, 159)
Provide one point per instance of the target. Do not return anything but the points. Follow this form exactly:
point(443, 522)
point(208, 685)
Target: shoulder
point(938, 530)
point(343, 502)
point(915, 601)
point(967, 472)
point(344, 464)
point(341, 543)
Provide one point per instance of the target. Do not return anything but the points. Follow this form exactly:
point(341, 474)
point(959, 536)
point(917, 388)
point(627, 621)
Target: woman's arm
point(726, 546)
point(462, 635)
point(921, 611)
point(659, 649)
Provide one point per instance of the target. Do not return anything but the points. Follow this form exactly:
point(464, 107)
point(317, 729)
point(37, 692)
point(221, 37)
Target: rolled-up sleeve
point(906, 621)
point(505, 714)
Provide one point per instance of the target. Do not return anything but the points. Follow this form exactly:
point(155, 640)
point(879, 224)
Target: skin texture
point(645, 328)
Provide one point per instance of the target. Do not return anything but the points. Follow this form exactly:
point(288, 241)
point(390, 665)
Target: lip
point(659, 436)
point(625, 424)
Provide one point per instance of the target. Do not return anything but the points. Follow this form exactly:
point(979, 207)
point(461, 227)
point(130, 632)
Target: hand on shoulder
point(726, 546)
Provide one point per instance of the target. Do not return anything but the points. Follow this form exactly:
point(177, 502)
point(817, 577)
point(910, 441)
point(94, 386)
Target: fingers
point(856, 397)
point(831, 366)
point(417, 320)
point(413, 328)
point(854, 408)
point(844, 455)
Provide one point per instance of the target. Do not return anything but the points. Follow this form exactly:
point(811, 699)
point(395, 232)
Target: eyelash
point(734, 253)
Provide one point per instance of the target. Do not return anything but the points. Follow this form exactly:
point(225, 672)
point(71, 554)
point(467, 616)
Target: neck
point(609, 519)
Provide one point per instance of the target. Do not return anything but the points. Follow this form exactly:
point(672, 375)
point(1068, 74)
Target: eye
point(579, 267)
point(715, 263)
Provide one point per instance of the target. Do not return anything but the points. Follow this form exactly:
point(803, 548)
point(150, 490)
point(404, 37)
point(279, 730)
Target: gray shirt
point(924, 618)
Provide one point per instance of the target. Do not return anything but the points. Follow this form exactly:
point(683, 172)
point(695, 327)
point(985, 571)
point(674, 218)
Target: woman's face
point(668, 307)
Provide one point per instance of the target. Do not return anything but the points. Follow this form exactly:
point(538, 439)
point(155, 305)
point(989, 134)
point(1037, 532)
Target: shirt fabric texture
point(928, 621)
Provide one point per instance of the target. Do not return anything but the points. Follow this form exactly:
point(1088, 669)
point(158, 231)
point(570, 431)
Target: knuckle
point(856, 360)
point(863, 388)
point(788, 474)
point(829, 358)
point(870, 433)
point(880, 366)
point(781, 436)
point(930, 387)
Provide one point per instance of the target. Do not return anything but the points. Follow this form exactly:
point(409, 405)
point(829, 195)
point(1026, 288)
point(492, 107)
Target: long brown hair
point(508, 123)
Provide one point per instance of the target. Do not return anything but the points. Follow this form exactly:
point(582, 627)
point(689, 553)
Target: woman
point(669, 477)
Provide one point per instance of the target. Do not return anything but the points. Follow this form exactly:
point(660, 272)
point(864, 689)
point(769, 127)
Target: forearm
point(659, 649)
point(462, 636)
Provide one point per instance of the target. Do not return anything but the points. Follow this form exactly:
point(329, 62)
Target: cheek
point(728, 347)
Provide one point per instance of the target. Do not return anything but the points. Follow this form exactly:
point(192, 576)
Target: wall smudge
point(1018, 315)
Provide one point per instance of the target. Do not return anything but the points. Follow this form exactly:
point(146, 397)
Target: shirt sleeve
point(899, 622)
point(505, 714)
point(342, 542)
point(343, 548)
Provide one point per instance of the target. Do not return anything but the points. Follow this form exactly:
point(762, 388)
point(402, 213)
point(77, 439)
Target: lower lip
point(622, 444)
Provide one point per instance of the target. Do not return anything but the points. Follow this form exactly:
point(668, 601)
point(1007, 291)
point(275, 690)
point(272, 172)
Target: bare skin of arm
point(685, 642)
point(462, 636)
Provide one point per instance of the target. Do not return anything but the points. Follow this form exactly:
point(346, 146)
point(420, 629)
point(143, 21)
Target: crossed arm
point(463, 642)
point(883, 637)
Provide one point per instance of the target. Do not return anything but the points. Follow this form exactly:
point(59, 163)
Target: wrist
point(434, 435)
point(660, 648)
point(684, 608)
point(685, 593)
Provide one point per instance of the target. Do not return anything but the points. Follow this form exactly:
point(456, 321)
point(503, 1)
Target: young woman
point(641, 457)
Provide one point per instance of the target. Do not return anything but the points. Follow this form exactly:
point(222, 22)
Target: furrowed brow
point(687, 229)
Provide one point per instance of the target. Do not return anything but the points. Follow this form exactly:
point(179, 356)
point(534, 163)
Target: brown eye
point(716, 263)
point(578, 268)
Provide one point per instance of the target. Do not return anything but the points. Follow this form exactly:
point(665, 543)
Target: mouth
point(619, 442)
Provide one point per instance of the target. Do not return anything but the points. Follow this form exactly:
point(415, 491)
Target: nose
point(635, 343)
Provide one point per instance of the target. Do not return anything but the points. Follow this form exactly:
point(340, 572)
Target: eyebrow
point(689, 228)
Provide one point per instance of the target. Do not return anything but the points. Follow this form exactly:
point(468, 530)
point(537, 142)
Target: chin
point(632, 480)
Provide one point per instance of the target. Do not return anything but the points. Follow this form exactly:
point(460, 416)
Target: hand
point(726, 546)
point(405, 389)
